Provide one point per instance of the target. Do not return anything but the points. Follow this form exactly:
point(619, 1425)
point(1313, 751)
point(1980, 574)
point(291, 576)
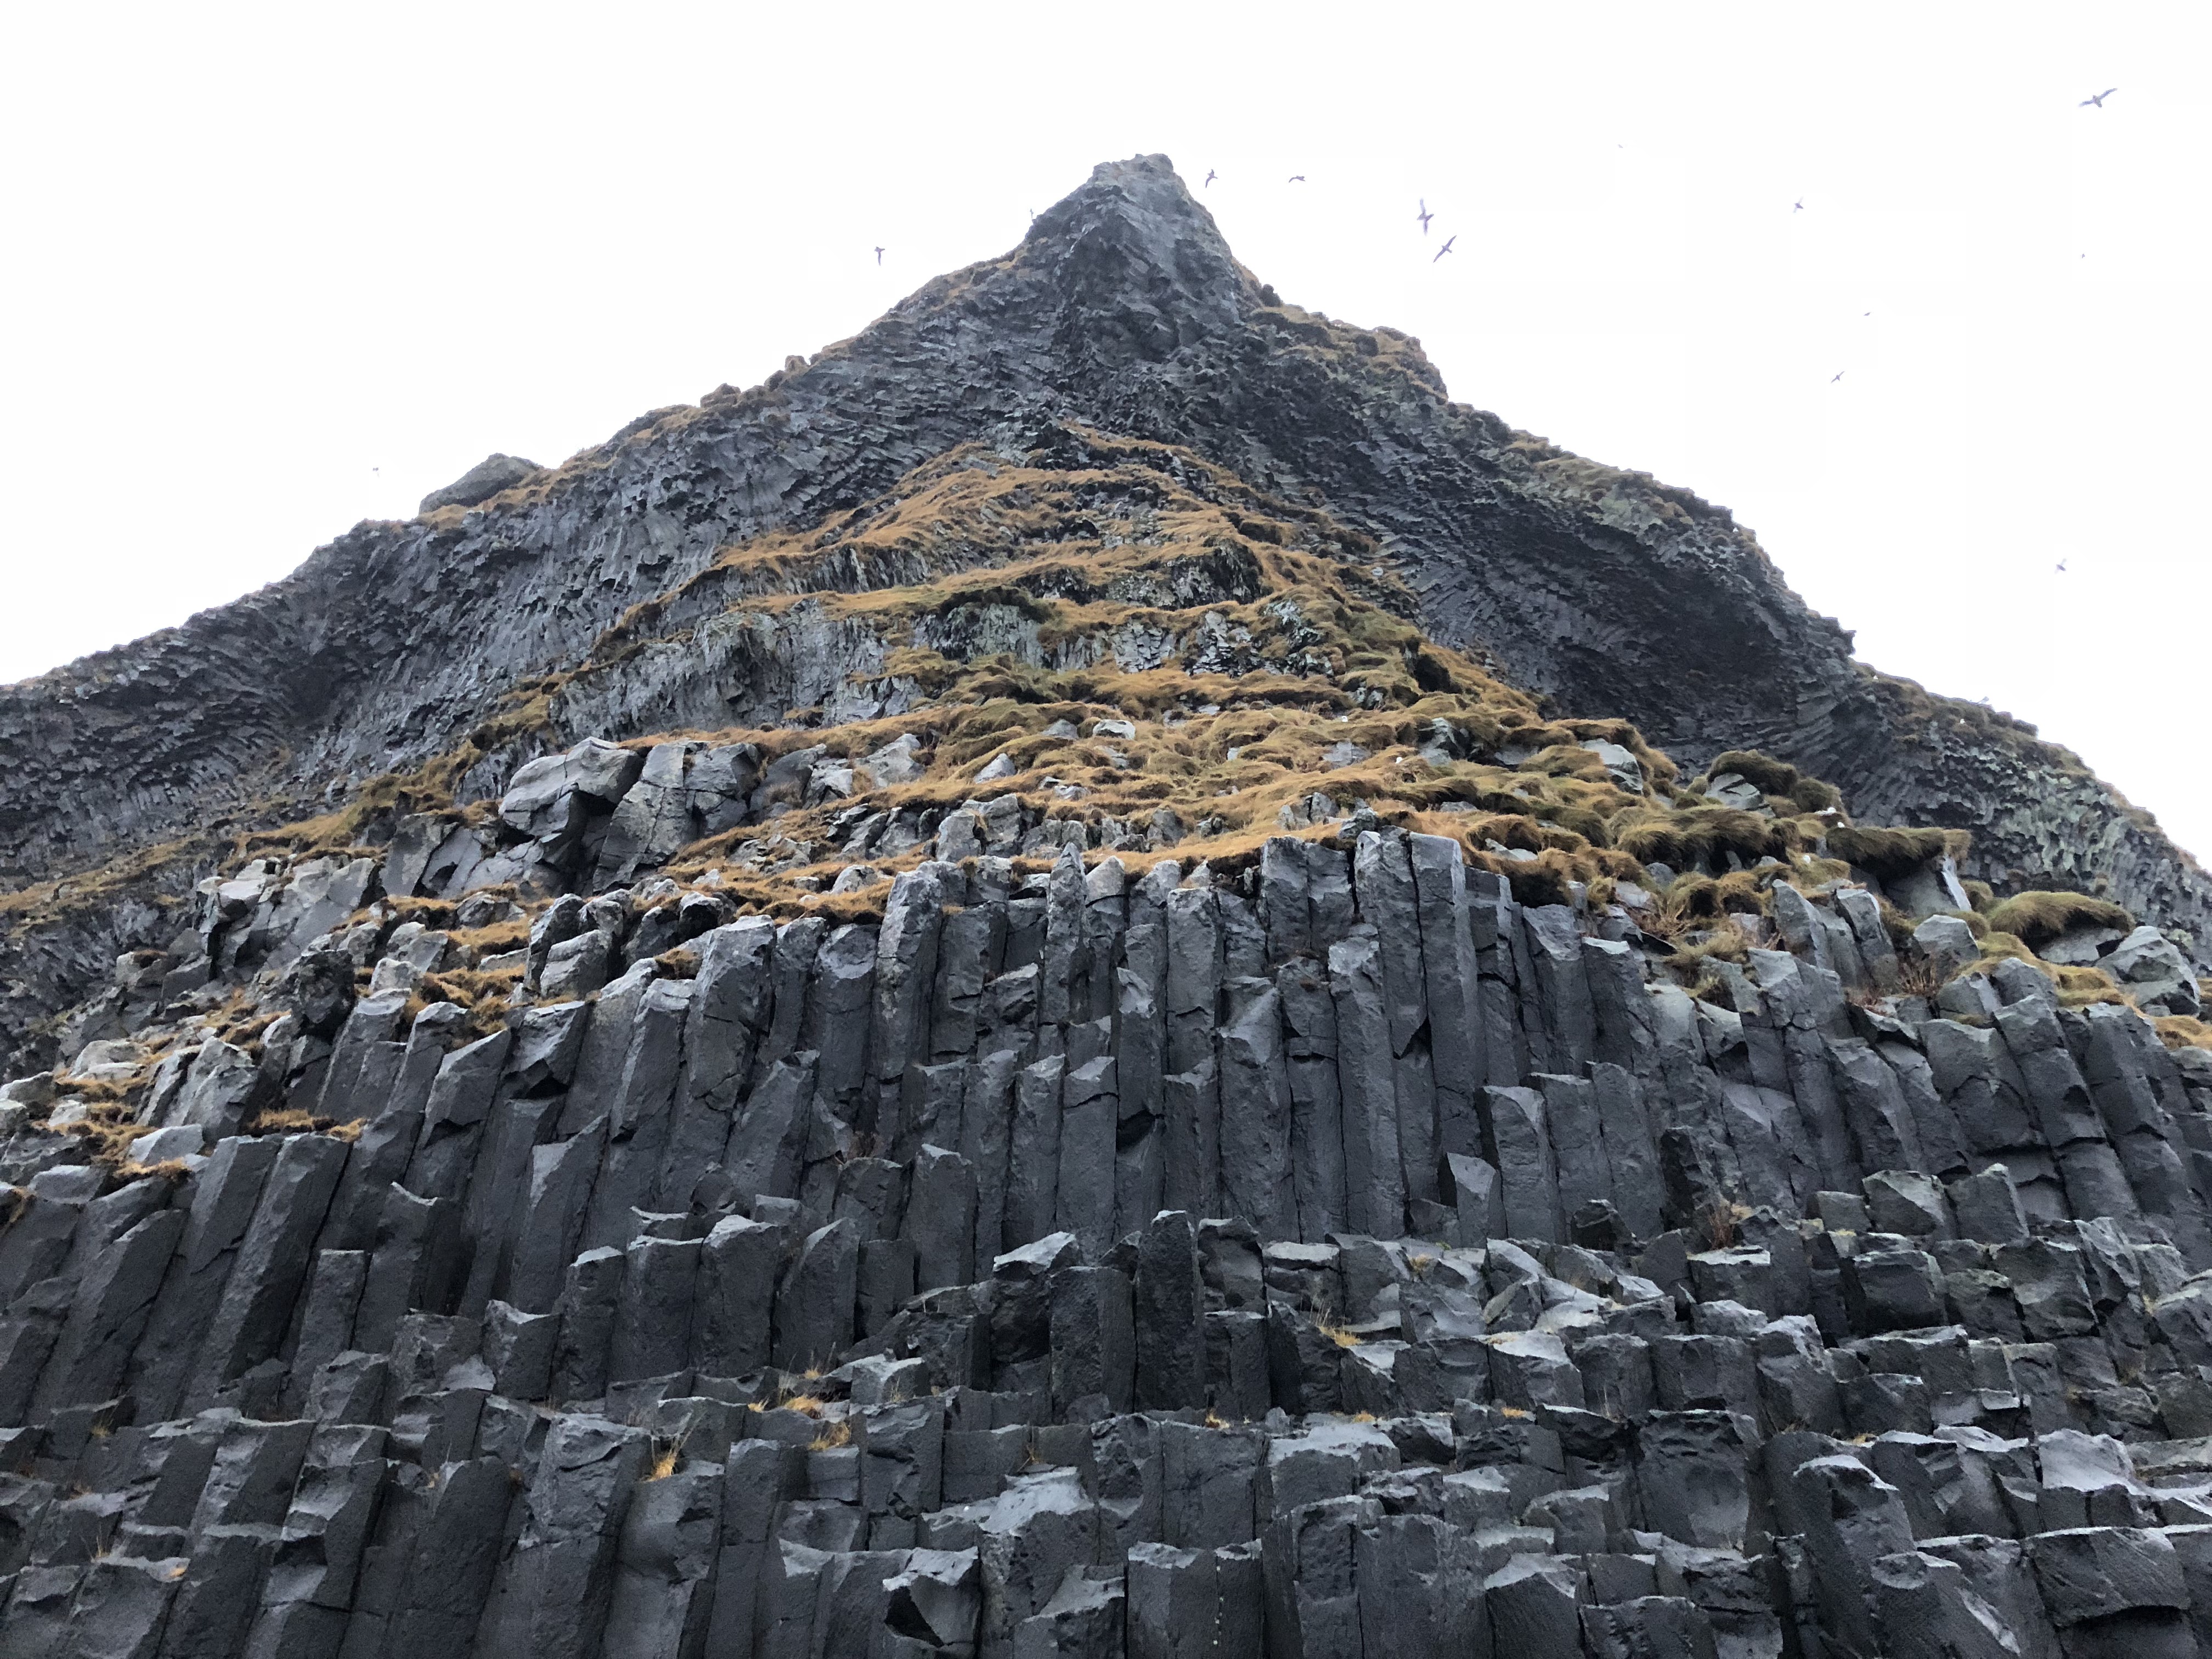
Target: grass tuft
point(2037, 918)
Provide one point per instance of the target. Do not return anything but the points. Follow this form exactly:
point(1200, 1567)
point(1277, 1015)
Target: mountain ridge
point(1122, 309)
point(880, 1019)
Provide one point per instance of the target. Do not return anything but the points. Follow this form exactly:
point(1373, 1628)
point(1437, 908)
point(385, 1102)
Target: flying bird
point(1837, 376)
point(1800, 205)
point(2098, 100)
point(1446, 248)
point(1424, 215)
point(2062, 564)
point(1210, 177)
point(1296, 178)
point(879, 254)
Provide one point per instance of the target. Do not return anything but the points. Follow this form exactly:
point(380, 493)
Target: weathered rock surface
point(1122, 310)
point(486, 479)
point(941, 1089)
point(1902, 1347)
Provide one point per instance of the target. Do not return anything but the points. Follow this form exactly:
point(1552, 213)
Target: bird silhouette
point(1424, 215)
point(1799, 206)
point(1837, 376)
point(2098, 100)
point(1445, 249)
point(1211, 175)
point(2062, 564)
point(1296, 178)
point(880, 256)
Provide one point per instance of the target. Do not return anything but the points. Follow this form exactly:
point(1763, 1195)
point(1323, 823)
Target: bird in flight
point(1799, 207)
point(2062, 564)
point(1211, 175)
point(880, 256)
point(1837, 376)
point(2098, 100)
point(1424, 215)
point(1296, 178)
point(1445, 249)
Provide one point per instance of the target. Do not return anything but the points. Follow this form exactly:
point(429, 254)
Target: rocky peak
point(953, 1005)
point(401, 645)
point(1132, 243)
point(481, 482)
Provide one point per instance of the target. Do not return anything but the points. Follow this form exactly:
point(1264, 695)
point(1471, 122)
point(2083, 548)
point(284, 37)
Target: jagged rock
point(2153, 971)
point(550, 800)
point(486, 479)
point(1945, 942)
point(789, 1242)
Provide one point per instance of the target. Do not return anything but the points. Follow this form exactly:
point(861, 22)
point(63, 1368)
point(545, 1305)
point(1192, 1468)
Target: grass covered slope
point(1101, 641)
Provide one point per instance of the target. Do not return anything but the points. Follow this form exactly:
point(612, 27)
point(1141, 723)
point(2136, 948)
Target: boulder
point(2152, 970)
point(486, 479)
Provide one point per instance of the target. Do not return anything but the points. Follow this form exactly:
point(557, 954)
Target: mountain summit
point(1124, 312)
point(1089, 976)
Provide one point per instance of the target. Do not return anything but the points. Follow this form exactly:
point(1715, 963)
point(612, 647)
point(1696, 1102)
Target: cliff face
point(1122, 310)
point(1087, 1249)
point(1024, 995)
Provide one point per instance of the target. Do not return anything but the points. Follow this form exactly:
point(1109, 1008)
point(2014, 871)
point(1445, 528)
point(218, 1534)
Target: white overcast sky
point(266, 271)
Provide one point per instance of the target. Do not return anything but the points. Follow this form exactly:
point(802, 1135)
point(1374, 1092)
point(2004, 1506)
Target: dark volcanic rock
point(486, 479)
point(1024, 1065)
point(1121, 309)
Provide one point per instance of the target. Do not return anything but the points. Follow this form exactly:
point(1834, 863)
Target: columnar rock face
point(1554, 1311)
point(1032, 1067)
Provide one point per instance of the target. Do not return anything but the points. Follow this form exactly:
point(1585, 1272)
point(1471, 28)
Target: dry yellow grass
point(282, 1120)
point(169, 1169)
point(100, 886)
point(1265, 654)
point(482, 995)
point(2183, 1032)
point(2038, 918)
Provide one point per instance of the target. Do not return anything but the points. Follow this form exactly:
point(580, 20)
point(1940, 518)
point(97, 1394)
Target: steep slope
point(1123, 311)
point(884, 1019)
point(1130, 1102)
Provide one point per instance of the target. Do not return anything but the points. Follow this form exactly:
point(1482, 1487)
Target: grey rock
point(814, 1302)
point(553, 1593)
point(486, 479)
point(2154, 972)
point(1310, 1576)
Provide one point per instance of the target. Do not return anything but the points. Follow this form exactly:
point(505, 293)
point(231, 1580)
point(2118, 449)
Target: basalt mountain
point(1092, 976)
point(1122, 312)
